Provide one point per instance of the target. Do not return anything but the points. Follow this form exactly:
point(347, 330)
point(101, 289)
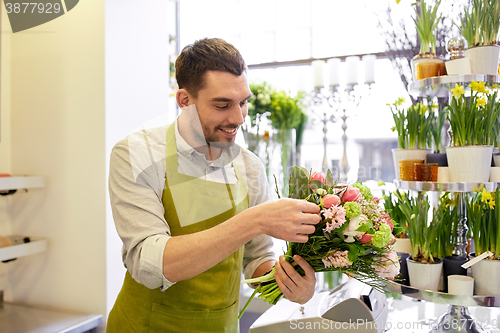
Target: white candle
point(369, 61)
point(317, 66)
point(333, 68)
point(352, 70)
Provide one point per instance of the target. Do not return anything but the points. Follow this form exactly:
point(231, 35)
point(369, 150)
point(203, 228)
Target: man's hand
point(295, 287)
point(288, 219)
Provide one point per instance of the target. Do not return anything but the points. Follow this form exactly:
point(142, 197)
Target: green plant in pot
point(424, 267)
point(472, 124)
point(436, 121)
point(480, 25)
point(483, 217)
point(427, 63)
point(286, 113)
point(414, 133)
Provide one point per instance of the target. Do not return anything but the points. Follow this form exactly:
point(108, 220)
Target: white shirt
point(136, 183)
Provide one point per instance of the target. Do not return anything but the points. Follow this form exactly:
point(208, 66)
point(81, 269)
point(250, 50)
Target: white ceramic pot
point(495, 174)
point(424, 276)
point(496, 158)
point(408, 154)
point(402, 245)
point(486, 274)
point(443, 174)
point(469, 163)
point(458, 66)
point(483, 59)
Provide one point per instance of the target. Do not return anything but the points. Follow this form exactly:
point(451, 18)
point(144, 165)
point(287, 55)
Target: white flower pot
point(495, 174)
point(483, 59)
point(469, 163)
point(402, 245)
point(424, 276)
point(496, 158)
point(486, 274)
point(408, 154)
point(458, 66)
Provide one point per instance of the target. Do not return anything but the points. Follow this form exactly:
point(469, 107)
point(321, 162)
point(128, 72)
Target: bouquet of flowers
point(353, 237)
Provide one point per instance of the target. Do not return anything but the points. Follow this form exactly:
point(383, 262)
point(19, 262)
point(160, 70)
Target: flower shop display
point(354, 236)
point(430, 240)
point(426, 63)
point(473, 121)
point(480, 26)
point(483, 215)
point(414, 133)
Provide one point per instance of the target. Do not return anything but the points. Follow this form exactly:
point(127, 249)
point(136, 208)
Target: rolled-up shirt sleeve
point(259, 249)
point(135, 188)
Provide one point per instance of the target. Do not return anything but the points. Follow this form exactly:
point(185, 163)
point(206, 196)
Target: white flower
point(321, 191)
point(354, 224)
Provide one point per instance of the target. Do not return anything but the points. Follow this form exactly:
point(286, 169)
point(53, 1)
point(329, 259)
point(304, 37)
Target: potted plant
point(424, 267)
point(286, 113)
point(436, 122)
point(426, 63)
point(479, 26)
point(472, 123)
point(413, 133)
point(401, 243)
point(483, 215)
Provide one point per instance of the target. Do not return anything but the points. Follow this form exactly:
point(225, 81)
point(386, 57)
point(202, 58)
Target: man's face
point(222, 106)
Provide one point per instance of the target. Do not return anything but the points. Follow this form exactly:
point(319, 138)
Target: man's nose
point(238, 114)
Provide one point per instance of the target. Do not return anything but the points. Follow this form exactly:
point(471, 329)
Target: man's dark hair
point(208, 54)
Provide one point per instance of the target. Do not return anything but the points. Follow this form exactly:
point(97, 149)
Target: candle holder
point(340, 105)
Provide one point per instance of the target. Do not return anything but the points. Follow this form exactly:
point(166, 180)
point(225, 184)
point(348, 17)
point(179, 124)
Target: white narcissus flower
point(354, 224)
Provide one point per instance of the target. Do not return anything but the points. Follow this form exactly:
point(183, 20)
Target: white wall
point(56, 111)
point(66, 100)
point(137, 91)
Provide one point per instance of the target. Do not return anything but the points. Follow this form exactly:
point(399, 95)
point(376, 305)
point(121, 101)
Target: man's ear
point(183, 98)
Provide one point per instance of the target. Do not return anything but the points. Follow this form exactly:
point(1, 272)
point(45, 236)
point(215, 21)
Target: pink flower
point(337, 216)
point(337, 259)
point(390, 224)
point(317, 176)
point(366, 238)
point(387, 266)
point(330, 200)
point(352, 194)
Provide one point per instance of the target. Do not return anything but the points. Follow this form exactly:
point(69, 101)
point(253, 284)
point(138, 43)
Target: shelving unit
point(18, 318)
point(23, 318)
point(21, 182)
point(458, 309)
point(36, 245)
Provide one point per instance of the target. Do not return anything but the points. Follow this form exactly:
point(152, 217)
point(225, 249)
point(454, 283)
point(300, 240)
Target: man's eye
point(221, 107)
point(243, 103)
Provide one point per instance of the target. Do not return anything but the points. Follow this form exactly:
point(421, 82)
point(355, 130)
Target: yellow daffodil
point(481, 102)
point(434, 106)
point(388, 104)
point(381, 183)
point(399, 101)
point(485, 196)
point(423, 108)
point(492, 204)
point(458, 91)
point(478, 86)
point(494, 86)
point(398, 1)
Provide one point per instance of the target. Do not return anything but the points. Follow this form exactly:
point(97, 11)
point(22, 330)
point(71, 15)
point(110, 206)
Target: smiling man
point(193, 209)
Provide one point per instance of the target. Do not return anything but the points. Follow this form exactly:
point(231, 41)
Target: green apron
point(207, 302)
